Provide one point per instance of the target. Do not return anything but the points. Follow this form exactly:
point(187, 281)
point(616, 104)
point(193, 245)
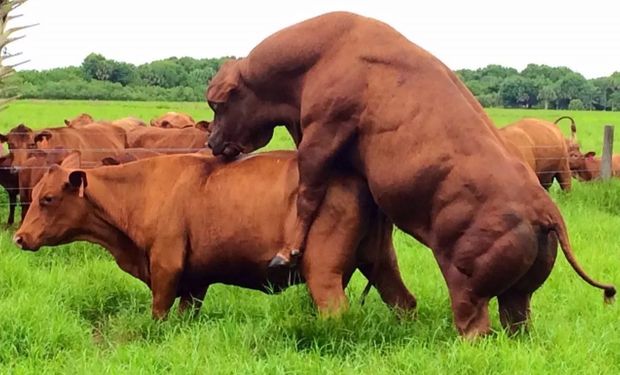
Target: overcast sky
point(583, 35)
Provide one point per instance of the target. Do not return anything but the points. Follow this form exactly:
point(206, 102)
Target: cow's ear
point(165, 124)
point(67, 122)
point(72, 161)
point(42, 136)
point(110, 161)
point(204, 125)
point(590, 154)
point(3, 138)
point(77, 181)
point(153, 122)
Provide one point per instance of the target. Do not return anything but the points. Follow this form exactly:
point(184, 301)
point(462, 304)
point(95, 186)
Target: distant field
point(70, 309)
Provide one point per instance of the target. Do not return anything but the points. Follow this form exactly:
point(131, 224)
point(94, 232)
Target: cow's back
point(168, 141)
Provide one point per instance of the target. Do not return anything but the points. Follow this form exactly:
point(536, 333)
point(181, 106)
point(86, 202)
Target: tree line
point(185, 79)
point(542, 86)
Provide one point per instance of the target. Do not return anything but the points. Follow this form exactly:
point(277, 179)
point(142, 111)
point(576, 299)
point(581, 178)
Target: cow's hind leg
point(166, 262)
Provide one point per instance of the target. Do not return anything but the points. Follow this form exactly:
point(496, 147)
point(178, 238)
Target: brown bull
point(543, 148)
point(214, 231)
point(95, 141)
point(587, 167)
point(354, 93)
point(167, 141)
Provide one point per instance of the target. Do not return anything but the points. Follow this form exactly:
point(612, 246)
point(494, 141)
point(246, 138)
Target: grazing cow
point(8, 180)
point(214, 231)
point(167, 141)
point(173, 120)
point(543, 148)
point(587, 167)
point(95, 141)
point(355, 93)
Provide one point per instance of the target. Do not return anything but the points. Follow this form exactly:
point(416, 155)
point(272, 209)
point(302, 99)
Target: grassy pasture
point(71, 309)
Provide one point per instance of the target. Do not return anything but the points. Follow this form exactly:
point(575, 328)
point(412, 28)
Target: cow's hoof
point(278, 262)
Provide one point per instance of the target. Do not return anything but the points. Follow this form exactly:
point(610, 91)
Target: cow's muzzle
point(21, 242)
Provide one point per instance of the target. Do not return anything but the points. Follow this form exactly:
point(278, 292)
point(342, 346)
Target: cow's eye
point(46, 200)
point(32, 146)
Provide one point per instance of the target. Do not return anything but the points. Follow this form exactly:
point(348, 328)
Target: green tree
point(614, 101)
point(576, 105)
point(518, 91)
point(547, 95)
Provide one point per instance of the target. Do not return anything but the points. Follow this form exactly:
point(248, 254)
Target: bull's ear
point(224, 82)
point(204, 125)
point(110, 161)
point(77, 180)
point(590, 154)
point(42, 136)
point(72, 161)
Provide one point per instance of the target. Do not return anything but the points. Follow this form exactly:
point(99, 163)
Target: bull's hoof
point(279, 262)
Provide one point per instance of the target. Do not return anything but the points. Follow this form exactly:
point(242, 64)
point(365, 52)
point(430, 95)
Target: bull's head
point(58, 207)
point(244, 118)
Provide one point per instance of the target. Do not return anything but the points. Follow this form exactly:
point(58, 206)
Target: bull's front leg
point(320, 146)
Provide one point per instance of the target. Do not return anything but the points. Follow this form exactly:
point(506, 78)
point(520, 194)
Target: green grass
point(71, 309)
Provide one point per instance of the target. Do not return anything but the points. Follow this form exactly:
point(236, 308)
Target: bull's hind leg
point(327, 291)
point(470, 310)
point(192, 300)
point(166, 263)
point(514, 303)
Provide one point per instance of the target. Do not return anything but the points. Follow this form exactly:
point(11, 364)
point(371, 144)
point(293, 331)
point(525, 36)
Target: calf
point(543, 147)
point(587, 167)
point(222, 224)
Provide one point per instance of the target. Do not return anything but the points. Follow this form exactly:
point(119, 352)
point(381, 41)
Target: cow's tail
point(559, 227)
point(573, 127)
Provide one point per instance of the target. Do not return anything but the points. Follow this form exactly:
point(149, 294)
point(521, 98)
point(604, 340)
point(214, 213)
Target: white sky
point(583, 35)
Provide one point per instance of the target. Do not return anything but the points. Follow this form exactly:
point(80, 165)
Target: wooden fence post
point(608, 144)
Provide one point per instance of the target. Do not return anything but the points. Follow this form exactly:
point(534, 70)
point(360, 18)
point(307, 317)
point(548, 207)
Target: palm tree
point(6, 14)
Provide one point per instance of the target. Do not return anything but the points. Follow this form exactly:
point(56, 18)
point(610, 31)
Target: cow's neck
point(108, 224)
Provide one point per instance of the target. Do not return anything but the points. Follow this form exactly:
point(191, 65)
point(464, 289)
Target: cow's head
point(58, 206)
point(81, 120)
point(584, 167)
point(21, 142)
point(244, 118)
point(173, 120)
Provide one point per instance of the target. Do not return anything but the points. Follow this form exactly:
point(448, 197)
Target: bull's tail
point(559, 227)
point(573, 127)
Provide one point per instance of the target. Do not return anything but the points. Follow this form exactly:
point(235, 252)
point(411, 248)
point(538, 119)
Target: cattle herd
point(386, 136)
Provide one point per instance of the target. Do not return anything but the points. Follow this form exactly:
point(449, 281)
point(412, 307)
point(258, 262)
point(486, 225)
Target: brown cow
point(173, 120)
point(167, 141)
point(81, 119)
point(33, 169)
point(571, 143)
point(95, 141)
point(587, 167)
point(129, 155)
point(543, 148)
point(212, 232)
point(9, 181)
point(126, 123)
point(355, 93)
